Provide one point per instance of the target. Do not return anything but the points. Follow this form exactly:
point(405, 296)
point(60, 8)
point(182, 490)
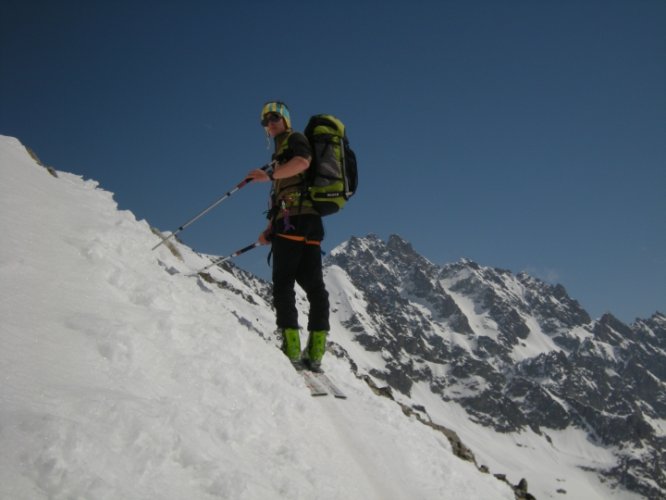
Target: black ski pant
point(298, 262)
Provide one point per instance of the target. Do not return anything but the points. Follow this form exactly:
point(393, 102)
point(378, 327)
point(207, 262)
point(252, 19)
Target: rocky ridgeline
point(514, 351)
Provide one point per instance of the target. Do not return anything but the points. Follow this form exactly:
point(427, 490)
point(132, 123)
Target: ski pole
point(211, 207)
point(231, 256)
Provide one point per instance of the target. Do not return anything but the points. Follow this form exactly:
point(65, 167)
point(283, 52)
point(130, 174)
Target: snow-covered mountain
point(124, 378)
point(541, 386)
point(127, 375)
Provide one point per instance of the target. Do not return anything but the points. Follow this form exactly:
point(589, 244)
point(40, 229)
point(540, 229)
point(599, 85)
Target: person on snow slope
point(295, 231)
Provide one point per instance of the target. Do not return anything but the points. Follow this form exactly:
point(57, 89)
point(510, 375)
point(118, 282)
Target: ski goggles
point(270, 118)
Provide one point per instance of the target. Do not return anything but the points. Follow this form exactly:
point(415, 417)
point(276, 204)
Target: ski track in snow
point(121, 379)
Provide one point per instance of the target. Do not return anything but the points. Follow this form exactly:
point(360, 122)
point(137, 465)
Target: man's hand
point(265, 237)
point(258, 175)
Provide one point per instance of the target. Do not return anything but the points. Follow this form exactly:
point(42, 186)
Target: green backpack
point(332, 177)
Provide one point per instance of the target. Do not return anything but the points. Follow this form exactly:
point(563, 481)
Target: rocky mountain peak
point(514, 351)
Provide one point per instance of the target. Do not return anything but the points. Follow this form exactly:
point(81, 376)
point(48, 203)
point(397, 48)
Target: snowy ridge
point(124, 378)
point(516, 367)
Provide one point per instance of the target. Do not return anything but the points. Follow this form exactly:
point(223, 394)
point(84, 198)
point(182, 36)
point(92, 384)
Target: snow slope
point(124, 379)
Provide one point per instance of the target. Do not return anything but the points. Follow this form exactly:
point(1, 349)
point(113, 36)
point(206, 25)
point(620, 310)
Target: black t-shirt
point(287, 192)
point(296, 144)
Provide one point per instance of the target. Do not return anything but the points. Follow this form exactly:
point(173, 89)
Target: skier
point(295, 231)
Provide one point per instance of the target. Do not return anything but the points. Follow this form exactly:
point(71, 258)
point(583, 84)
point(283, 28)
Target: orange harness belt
point(299, 238)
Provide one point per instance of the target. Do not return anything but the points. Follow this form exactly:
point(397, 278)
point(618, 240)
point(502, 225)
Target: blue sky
point(523, 134)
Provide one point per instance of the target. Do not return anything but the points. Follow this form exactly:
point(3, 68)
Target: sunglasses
point(270, 118)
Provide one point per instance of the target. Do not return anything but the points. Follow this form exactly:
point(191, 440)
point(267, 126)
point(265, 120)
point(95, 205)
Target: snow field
point(123, 380)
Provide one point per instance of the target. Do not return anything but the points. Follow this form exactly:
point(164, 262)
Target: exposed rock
point(514, 351)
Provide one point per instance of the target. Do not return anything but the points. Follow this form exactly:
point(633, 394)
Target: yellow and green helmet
point(279, 108)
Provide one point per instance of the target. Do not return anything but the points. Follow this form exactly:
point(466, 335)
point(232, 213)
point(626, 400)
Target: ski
point(328, 383)
point(320, 384)
point(317, 388)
